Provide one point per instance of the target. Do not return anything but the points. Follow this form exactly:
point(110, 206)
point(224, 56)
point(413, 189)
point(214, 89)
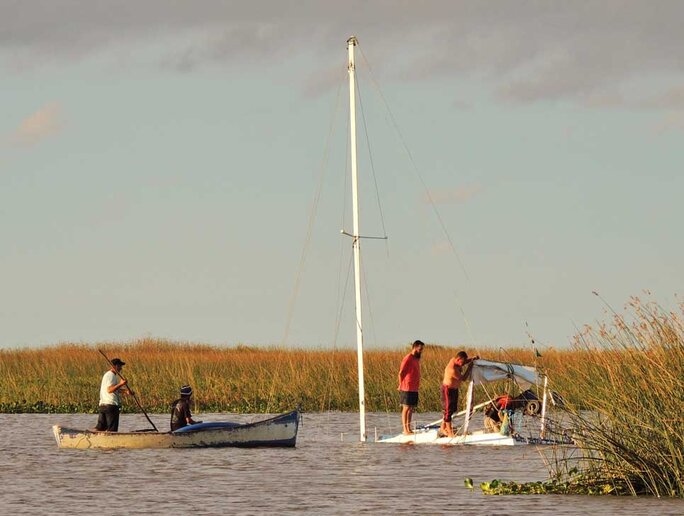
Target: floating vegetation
point(579, 485)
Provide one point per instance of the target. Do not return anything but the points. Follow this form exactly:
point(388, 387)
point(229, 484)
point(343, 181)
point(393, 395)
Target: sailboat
point(483, 371)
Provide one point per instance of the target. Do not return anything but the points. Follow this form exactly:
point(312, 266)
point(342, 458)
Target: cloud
point(672, 121)
point(520, 52)
point(452, 196)
point(39, 125)
point(440, 248)
point(672, 98)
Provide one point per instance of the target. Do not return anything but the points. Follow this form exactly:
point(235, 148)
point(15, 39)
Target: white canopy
point(485, 371)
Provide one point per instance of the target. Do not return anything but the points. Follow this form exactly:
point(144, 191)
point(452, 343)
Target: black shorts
point(408, 398)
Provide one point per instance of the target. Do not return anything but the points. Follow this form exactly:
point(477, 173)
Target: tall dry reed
point(627, 403)
point(66, 378)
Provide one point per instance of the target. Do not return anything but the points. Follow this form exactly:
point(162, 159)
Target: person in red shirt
point(409, 382)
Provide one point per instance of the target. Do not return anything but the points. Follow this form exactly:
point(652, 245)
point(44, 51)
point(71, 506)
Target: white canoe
point(280, 431)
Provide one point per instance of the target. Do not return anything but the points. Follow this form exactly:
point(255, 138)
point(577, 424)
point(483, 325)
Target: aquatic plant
point(576, 483)
point(626, 406)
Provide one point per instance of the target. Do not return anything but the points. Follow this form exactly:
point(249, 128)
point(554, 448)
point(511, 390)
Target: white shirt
point(106, 397)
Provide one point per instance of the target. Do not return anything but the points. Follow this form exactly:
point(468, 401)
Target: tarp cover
point(485, 371)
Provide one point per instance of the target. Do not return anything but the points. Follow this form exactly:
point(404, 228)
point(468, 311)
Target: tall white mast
point(351, 43)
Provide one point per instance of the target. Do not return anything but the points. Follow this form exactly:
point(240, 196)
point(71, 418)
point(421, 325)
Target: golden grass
point(66, 377)
point(628, 402)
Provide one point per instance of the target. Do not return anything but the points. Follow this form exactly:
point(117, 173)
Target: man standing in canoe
point(110, 400)
point(409, 382)
point(453, 376)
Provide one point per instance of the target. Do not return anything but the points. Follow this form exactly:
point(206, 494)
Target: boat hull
point(473, 439)
point(279, 431)
point(477, 438)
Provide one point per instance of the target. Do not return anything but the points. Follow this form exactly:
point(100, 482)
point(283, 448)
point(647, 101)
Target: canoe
point(278, 431)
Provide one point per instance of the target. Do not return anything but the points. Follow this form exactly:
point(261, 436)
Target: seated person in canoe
point(180, 413)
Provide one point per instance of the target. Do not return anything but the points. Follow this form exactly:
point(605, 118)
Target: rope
point(307, 241)
point(309, 231)
point(416, 171)
point(372, 166)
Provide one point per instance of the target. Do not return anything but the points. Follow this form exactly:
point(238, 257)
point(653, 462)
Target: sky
point(179, 170)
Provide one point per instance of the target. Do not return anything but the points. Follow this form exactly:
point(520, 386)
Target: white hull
point(278, 431)
point(477, 438)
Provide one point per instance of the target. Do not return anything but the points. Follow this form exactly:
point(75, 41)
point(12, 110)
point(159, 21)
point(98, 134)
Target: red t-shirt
point(409, 374)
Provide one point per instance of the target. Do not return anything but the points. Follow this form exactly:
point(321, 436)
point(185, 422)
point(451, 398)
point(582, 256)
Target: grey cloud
point(524, 51)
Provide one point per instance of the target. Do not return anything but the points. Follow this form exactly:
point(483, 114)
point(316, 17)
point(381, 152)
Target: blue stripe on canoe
point(210, 425)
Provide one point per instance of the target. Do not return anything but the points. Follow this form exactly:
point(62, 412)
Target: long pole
point(542, 427)
point(469, 408)
point(351, 43)
point(129, 390)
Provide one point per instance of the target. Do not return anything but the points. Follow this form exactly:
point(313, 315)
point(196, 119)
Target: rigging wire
point(338, 320)
point(307, 240)
point(425, 188)
point(312, 216)
point(415, 167)
point(372, 165)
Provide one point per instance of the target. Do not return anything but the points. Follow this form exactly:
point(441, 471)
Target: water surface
point(326, 473)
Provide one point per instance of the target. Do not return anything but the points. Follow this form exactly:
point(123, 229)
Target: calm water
point(323, 475)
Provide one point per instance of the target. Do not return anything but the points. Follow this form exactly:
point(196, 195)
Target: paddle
point(130, 391)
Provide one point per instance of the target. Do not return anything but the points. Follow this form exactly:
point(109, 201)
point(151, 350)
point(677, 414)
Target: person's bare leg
point(448, 429)
point(406, 413)
point(404, 419)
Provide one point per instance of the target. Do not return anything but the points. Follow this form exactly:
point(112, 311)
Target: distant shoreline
point(65, 378)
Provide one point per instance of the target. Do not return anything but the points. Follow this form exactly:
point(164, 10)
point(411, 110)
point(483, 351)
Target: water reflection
point(323, 475)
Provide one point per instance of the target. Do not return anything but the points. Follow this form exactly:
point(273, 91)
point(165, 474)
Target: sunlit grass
point(627, 403)
point(66, 377)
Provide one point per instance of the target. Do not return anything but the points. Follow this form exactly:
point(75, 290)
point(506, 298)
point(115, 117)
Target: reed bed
point(66, 377)
point(627, 405)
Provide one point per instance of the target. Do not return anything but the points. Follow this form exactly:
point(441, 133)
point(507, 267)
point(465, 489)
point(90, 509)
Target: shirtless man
point(453, 376)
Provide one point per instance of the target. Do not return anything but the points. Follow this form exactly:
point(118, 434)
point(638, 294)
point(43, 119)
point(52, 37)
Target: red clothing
point(502, 402)
point(409, 374)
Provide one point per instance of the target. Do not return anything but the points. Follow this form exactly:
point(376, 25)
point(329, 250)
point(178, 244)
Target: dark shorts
point(108, 420)
point(408, 398)
point(449, 402)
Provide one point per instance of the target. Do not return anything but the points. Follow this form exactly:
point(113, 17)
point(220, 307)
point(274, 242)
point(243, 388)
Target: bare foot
point(407, 433)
